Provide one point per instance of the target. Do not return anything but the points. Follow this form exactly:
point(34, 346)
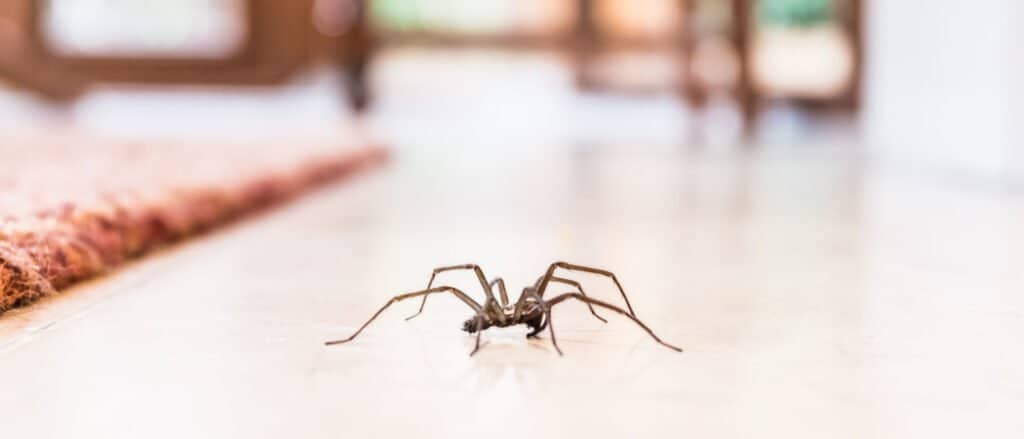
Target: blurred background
point(671, 72)
point(923, 88)
point(927, 88)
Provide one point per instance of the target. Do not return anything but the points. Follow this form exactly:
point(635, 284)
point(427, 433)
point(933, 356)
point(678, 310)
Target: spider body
point(530, 309)
point(531, 315)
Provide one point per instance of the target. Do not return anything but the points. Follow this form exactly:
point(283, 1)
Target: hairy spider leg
point(547, 321)
point(479, 325)
point(517, 313)
point(578, 287)
point(502, 292)
point(561, 298)
point(458, 293)
point(546, 279)
point(483, 283)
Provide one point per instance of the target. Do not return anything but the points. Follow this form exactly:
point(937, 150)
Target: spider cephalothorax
point(530, 309)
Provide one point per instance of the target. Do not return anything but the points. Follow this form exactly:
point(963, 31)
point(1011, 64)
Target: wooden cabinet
point(276, 39)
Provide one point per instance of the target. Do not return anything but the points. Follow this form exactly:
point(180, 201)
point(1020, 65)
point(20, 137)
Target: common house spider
point(530, 309)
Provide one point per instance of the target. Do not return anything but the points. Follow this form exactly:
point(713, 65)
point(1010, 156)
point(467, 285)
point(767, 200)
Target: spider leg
point(520, 303)
point(458, 293)
point(521, 308)
point(547, 322)
point(478, 331)
point(502, 292)
point(546, 279)
point(561, 298)
point(569, 282)
point(579, 287)
point(479, 274)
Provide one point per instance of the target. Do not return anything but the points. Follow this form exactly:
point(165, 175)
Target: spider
point(530, 309)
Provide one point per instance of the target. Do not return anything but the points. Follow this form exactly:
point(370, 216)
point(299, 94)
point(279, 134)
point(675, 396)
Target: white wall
point(1015, 153)
point(939, 85)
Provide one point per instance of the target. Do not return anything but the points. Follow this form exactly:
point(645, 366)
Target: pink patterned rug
point(73, 208)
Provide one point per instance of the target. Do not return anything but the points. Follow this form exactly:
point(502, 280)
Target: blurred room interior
point(692, 74)
point(680, 71)
point(840, 175)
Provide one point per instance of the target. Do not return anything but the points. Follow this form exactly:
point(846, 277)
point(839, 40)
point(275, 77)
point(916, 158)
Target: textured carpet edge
point(70, 245)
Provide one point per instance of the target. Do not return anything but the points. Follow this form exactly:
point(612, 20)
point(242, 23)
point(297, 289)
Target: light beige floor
point(814, 299)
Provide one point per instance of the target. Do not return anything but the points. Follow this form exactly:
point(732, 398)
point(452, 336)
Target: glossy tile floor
point(815, 298)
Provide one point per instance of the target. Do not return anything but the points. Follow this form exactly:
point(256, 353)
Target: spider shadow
point(508, 339)
point(501, 359)
point(537, 343)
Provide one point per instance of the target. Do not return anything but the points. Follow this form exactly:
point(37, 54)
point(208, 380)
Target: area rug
point(72, 208)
